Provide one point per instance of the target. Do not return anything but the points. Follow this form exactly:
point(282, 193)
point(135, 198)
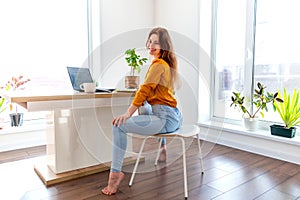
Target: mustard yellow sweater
point(158, 87)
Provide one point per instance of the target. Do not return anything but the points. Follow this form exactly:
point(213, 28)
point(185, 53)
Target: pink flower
point(16, 82)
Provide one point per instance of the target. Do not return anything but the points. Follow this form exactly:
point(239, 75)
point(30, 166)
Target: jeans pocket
point(174, 120)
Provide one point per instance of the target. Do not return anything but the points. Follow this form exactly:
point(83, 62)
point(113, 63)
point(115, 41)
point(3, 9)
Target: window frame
point(248, 58)
point(249, 65)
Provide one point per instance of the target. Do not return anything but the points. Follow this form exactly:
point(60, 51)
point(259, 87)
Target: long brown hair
point(167, 52)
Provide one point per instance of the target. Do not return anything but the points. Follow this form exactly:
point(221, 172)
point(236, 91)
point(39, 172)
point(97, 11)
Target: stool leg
point(158, 151)
point(137, 161)
point(200, 153)
point(184, 169)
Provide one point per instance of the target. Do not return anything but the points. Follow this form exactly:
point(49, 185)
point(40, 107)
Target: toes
point(113, 183)
point(106, 191)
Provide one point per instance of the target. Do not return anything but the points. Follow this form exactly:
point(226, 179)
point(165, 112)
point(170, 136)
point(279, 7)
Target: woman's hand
point(121, 119)
point(117, 121)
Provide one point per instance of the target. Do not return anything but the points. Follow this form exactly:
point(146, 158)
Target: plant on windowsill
point(134, 61)
point(260, 100)
point(3, 106)
point(16, 83)
point(289, 112)
point(4, 103)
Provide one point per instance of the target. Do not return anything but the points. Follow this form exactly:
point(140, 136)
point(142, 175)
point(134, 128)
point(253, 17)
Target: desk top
point(28, 96)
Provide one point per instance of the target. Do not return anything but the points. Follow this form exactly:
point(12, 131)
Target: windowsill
point(259, 142)
point(27, 126)
point(260, 133)
point(30, 134)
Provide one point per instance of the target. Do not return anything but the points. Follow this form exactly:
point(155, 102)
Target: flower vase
point(16, 119)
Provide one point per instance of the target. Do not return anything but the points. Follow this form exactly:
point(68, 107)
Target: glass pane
point(277, 46)
point(40, 38)
point(229, 54)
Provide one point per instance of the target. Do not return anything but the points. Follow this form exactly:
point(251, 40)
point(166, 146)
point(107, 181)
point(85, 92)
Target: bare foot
point(115, 178)
point(163, 154)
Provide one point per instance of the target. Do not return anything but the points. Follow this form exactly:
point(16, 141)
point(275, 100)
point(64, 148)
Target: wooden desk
point(79, 136)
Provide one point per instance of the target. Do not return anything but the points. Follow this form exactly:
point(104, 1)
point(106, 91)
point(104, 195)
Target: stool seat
point(185, 131)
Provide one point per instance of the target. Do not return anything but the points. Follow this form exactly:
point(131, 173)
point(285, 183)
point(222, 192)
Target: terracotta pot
point(132, 82)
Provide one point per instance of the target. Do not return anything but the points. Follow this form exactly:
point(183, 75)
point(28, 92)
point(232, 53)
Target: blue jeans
point(162, 119)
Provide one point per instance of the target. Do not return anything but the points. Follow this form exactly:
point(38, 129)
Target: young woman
point(158, 92)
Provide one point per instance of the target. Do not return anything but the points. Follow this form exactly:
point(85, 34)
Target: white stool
point(184, 132)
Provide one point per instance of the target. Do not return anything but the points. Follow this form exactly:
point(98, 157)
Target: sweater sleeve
point(152, 79)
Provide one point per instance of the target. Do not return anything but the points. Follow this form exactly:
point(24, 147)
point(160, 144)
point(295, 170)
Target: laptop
point(79, 75)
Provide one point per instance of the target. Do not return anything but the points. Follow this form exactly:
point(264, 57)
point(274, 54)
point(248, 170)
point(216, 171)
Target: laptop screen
point(78, 76)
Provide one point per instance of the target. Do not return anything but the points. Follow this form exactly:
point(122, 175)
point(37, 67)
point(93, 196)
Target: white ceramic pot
point(251, 124)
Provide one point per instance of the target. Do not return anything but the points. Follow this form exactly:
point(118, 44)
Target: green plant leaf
point(3, 104)
point(262, 114)
point(274, 107)
point(259, 85)
point(260, 99)
point(134, 60)
point(243, 109)
point(289, 109)
point(279, 100)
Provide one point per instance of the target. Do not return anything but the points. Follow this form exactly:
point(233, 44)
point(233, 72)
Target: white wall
point(126, 24)
point(181, 18)
point(122, 25)
point(119, 16)
point(192, 20)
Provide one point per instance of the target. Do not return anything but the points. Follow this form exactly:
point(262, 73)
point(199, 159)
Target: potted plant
point(14, 84)
point(260, 100)
point(4, 104)
point(134, 61)
point(289, 112)
point(3, 107)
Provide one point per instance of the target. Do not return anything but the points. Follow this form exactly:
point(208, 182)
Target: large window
point(255, 41)
point(40, 38)
point(277, 45)
point(230, 29)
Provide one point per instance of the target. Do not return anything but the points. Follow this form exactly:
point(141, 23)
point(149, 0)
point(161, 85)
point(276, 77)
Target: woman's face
point(153, 45)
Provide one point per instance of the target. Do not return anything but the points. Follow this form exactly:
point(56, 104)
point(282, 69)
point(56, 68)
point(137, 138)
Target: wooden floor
point(229, 174)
